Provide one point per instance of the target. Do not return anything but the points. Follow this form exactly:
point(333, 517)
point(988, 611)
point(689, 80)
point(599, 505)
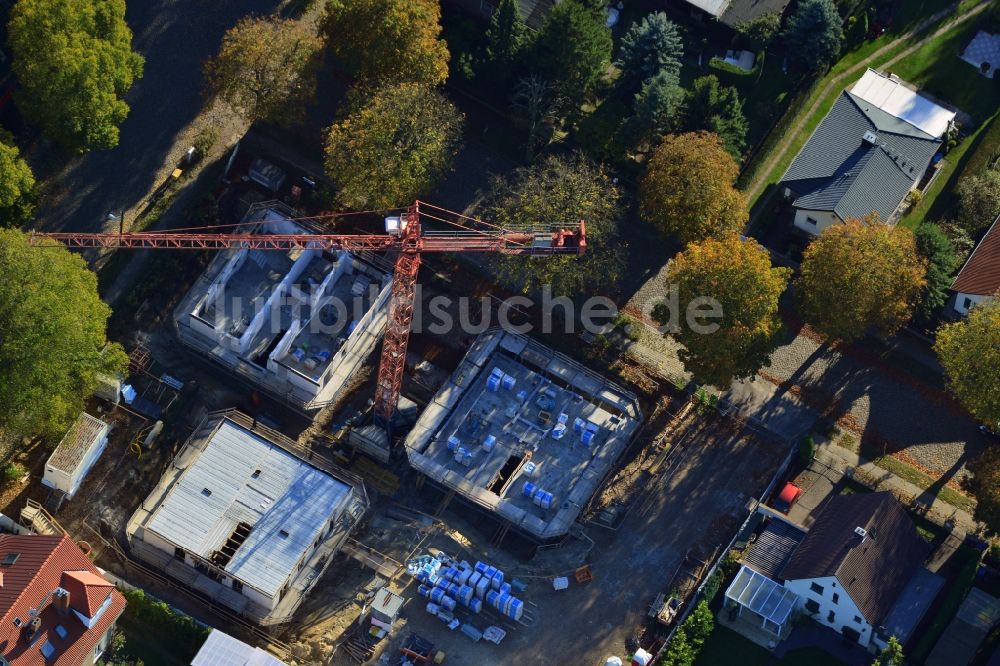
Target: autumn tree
point(969, 350)
point(813, 35)
point(737, 276)
point(388, 41)
point(559, 191)
point(650, 46)
point(74, 61)
point(942, 261)
point(859, 276)
point(719, 109)
point(891, 654)
point(984, 484)
point(17, 187)
point(266, 67)
point(391, 144)
point(52, 324)
point(688, 191)
point(978, 200)
point(572, 49)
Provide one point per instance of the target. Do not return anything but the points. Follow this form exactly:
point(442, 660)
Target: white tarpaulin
point(893, 97)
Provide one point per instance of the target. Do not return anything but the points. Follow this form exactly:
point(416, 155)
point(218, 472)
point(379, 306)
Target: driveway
point(175, 37)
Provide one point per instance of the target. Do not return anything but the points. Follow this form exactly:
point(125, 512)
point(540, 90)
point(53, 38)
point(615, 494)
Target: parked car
point(787, 497)
point(987, 431)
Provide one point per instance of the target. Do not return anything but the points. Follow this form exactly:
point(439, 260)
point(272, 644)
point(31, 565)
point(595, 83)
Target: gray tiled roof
point(740, 11)
point(838, 171)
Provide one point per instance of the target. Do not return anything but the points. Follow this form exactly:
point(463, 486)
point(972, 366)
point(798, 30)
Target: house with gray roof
point(873, 147)
point(246, 518)
point(734, 12)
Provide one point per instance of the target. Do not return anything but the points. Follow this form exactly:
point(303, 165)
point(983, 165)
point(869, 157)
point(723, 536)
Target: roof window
point(206, 492)
point(9, 559)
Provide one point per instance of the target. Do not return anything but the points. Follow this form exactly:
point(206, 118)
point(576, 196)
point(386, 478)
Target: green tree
point(17, 187)
point(52, 324)
point(969, 350)
point(391, 145)
point(572, 49)
point(936, 248)
point(506, 37)
point(978, 200)
point(680, 652)
point(859, 276)
point(688, 191)
point(892, 655)
point(719, 109)
point(559, 191)
point(984, 484)
point(388, 41)
point(759, 32)
point(266, 67)
point(738, 276)
point(650, 46)
point(657, 106)
point(813, 35)
point(700, 624)
point(74, 61)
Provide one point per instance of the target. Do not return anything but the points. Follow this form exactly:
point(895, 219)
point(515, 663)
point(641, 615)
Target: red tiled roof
point(41, 566)
point(981, 274)
point(87, 591)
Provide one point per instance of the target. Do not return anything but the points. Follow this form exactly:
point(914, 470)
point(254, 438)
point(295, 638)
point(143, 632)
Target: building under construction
point(247, 518)
point(524, 432)
point(294, 323)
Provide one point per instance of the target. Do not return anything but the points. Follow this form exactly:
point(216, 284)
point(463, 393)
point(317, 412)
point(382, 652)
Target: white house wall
point(844, 609)
point(95, 451)
point(974, 299)
point(824, 219)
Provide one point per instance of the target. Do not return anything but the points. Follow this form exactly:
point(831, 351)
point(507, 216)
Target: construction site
point(276, 467)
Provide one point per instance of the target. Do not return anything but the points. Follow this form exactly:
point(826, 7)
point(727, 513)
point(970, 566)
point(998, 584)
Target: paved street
point(866, 396)
point(175, 37)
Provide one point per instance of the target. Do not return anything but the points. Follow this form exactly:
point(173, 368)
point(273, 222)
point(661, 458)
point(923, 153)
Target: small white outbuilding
point(79, 449)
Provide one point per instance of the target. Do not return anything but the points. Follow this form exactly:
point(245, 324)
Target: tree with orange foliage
point(688, 188)
point(859, 276)
point(738, 276)
point(388, 41)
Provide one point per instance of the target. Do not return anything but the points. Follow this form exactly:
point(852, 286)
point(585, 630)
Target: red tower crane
point(404, 236)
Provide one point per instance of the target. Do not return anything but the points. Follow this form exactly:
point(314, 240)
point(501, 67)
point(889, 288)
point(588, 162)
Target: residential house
point(735, 12)
point(854, 563)
point(857, 570)
point(57, 607)
point(979, 278)
point(247, 518)
point(870, 151)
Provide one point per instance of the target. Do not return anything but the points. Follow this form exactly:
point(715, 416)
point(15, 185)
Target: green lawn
point(922, 481)
point(725, 647)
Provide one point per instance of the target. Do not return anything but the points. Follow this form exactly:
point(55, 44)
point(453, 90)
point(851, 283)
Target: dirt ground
point(692, 508)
